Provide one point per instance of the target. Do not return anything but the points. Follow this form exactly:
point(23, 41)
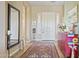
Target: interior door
point(46, 26)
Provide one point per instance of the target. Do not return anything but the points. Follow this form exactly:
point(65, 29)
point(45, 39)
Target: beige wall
point(47, 8)
point(28, 21)
point(3, 46)
point(3, 25)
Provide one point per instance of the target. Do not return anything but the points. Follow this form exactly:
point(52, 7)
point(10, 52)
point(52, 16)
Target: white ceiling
point(46, 3)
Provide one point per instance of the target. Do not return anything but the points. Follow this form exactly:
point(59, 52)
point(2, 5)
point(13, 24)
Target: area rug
point(41, 50)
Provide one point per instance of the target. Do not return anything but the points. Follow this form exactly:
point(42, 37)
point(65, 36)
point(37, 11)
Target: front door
point(46, 26)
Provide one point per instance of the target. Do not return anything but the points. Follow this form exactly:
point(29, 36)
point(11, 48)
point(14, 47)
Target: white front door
point(46, 26)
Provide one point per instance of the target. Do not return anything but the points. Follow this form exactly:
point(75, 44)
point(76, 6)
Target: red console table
point(63, 45)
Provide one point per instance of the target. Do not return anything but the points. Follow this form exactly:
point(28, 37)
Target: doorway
point(46, 26)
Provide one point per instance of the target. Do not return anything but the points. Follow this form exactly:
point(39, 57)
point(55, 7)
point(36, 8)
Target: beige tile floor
point(21, 51)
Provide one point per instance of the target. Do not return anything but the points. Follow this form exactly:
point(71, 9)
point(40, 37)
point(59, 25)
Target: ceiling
point(46, 3)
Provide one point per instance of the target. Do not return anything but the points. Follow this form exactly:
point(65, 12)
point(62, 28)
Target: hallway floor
point(41, 49)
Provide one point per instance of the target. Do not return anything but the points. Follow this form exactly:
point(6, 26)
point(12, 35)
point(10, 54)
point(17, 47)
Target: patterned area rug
point(41, 50)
